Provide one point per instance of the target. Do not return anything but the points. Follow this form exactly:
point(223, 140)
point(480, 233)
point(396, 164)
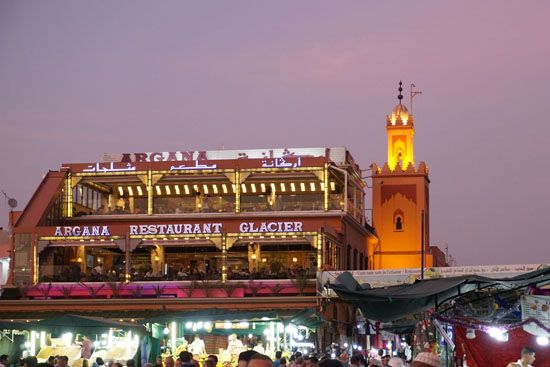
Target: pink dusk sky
point(81, 78)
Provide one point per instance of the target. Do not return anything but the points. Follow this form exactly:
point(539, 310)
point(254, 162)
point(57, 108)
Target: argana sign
point(179, 228)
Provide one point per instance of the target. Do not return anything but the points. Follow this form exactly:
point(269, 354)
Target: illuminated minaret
point(400, 130)
point(400, 199)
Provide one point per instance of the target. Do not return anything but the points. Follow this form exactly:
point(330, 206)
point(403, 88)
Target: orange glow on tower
point(400, 199)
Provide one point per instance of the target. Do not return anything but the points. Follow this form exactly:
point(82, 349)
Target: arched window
point(398, 220)
point(355, 259)
point(361, 261)
point(398, 224)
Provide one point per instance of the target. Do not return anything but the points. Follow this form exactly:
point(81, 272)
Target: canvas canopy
point(396, 302)
point(81, 324)
point(308, 317)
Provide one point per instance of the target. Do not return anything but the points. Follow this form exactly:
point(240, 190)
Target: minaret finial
point(400, 89)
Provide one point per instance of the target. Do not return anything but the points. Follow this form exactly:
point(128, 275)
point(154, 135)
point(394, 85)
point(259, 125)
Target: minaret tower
point(400, 199)
point(400, 130)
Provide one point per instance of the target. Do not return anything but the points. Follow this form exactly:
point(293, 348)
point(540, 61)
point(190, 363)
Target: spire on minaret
point(400, 89)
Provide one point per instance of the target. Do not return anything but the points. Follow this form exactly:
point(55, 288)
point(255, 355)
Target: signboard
point(337, 155)
point(388, 277)
point(536, 307)
point(166, 229)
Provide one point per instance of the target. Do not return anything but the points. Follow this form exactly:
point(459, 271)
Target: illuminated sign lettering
point(271, 227)
point(180, 229)
point(68, 231)
point(269, 155)
point(167, 229)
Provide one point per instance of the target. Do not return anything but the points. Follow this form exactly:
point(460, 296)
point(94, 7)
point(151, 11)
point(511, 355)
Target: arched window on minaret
point(398, 224)
point(398, 220)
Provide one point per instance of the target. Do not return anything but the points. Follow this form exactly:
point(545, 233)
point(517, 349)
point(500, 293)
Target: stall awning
point(395, 302)
point(80, 324)
point(308, 317)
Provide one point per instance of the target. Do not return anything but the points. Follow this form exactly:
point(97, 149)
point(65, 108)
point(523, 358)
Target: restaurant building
point(141, 234)
point(215, 214)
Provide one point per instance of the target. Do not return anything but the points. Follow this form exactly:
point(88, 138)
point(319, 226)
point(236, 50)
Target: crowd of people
point(252, 358)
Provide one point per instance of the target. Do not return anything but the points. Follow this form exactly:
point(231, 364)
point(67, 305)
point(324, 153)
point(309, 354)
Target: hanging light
point(140, 192)
point(471, 334)
point(130, 191)
point(542, 341)
point(177, 189)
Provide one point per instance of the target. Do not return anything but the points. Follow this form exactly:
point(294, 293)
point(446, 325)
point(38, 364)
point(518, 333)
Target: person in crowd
point(148, 364)
point(132, 363)
point(158, 362)
point(259, 347)
point(311, 361)
point(282, 362)
point(244, 357)
point(214, 359)
point(426, 359)
point(87, 346)
point(277, 361)
point(299, 361)
point(385, 360)
point(209, 363)
point(51, 360)
point(168, 361)
point(186, 359)
point(197, 347)
point(396, 362)
point(4, 360)
point(355, 361)
point(329, 363)
point(260, 360)
point(344, 358)
point(98, 362)
point(62, 361)
point(117, 364)
point(526, 359)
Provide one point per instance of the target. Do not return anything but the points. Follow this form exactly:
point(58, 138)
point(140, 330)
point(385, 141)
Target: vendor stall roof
point(307, 317)
point(396, 302)
point(81, 324)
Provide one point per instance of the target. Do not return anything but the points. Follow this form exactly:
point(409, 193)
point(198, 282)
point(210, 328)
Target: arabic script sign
point(336, 154)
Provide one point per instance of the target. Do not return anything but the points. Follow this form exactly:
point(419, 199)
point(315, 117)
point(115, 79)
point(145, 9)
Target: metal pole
point(422, 249)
